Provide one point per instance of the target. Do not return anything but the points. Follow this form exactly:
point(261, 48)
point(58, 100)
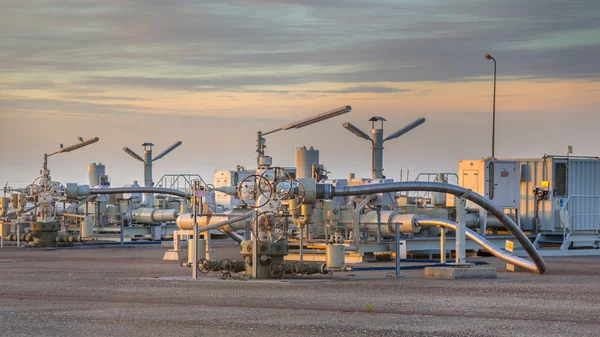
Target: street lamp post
point(489, 57)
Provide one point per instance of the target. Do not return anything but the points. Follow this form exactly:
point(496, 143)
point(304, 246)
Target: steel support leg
point(461, 237)
point(397, 249)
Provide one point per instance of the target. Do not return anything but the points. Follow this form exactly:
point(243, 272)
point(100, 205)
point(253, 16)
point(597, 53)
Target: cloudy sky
point(212, 73)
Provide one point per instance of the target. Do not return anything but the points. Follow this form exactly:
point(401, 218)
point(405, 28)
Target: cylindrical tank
point(335, 256)
point(14, 200)
point(184, 221)
point(3, 209)
point(305, 159)
point(113, 212)
point(201, 250)
point(94, 173)
point(439, 198)
point(123, 206)
point(17, 200)
point(165, 215)
point(408, 222)
point(4, 201)
point(87, 228)
point(144, 215)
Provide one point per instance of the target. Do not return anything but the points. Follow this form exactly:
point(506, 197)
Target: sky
point(213, 73)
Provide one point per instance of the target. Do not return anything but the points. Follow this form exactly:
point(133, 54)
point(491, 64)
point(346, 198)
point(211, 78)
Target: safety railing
point(181, 182)
point(580, 213)
point(431, 177)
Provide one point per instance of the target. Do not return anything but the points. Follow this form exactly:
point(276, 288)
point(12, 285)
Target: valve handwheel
point(203, 266)
point(298, 269)
point(260, 183)
point(226, 266)
point(276, 268)
point(280, 177)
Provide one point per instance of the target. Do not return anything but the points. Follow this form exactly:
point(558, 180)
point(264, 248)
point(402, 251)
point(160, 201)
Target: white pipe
point(328, 191)
point(497, 252)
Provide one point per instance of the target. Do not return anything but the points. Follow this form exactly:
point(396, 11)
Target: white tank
point(113, 213)
point(305, 159)
point(335, 256)
point(201, 251)
point(3, 209)
point(87, 228)
point(94, 173)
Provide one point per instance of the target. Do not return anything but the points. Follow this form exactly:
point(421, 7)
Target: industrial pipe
point(71, 215)
point(235, 237)
point(356, 218)
point(73, 208)
point(157, 190)
point(152, 215)
point(225, 223)
point(497, 252)
point(327, 191)
point(25, 210)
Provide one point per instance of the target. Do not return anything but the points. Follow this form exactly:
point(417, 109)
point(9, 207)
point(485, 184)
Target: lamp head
point(356, 131)
point(489, 57)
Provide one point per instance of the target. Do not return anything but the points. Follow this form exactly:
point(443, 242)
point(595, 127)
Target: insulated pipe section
point(497, 252)
point(327, 191)
point(225, 223)
point(185, 221)
point(152, 215)
point(156, 190)
point(408, 222)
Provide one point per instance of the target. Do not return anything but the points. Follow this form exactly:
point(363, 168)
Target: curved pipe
point(235, 237)
point(157, 190)
point(73, 208)
point(497, 252)
point(25, 210)
point(451, 189)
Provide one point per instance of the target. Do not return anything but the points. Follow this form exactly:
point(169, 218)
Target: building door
point(560, 192)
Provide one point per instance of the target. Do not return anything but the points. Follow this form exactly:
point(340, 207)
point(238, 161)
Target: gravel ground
point(132, 292)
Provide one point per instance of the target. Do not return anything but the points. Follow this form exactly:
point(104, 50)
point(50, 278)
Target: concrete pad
point(450, 273)
point(513, 268)
point(174, 255)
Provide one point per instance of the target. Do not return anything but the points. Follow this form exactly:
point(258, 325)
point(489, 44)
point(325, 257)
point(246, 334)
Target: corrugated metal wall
point(584, 180)
point(532, 176)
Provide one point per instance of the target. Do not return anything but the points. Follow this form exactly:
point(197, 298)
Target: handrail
point(567, 217)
